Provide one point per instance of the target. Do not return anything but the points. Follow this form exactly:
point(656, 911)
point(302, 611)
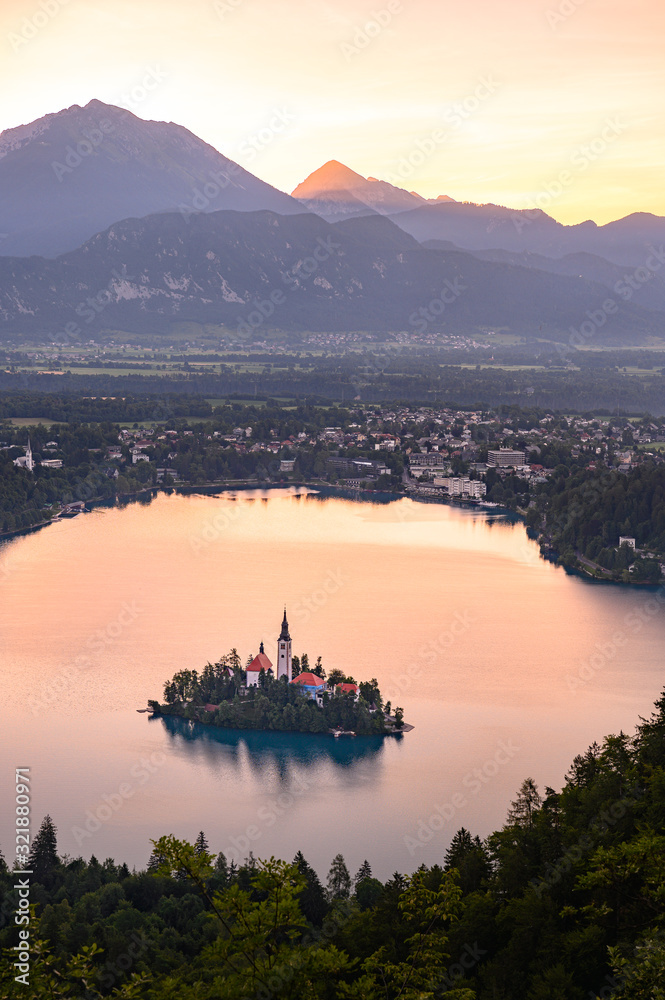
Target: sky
point(558, 104)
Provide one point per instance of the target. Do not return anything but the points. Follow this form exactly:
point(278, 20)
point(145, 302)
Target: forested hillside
point(565, 902)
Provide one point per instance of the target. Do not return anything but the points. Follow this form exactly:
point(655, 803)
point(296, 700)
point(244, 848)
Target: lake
point(506, 666)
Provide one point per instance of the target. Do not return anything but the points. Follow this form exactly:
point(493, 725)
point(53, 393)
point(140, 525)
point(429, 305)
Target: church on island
point(310, 684)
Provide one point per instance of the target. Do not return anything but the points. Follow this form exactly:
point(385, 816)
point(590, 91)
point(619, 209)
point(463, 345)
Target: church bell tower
point(284, 651)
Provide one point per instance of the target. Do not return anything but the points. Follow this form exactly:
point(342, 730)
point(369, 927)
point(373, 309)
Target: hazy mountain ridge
point(626, 242)
point(291, 273)
point(72, 174)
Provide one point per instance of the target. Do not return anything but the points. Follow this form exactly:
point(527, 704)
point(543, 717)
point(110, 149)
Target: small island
point(290, 698)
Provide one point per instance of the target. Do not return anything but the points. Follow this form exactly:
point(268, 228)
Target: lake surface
point(506, 666)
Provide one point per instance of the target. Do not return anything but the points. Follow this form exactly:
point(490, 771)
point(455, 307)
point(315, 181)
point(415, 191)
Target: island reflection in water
point(278, 752)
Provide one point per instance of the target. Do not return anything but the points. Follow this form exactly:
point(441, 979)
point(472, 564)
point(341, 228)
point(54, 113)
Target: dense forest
point(565, 902)
point(585, 512)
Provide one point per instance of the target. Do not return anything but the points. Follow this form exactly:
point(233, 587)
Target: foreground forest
point(565, 902)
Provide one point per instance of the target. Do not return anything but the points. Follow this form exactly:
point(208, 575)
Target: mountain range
point(110, 221)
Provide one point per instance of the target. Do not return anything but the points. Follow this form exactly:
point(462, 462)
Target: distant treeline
point(408, 378)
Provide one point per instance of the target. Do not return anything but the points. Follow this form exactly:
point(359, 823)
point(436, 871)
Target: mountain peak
point(334, 191)
point(71, 174)
point(332, 176)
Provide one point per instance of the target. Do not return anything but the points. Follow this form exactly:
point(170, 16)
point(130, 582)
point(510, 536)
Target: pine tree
point(123, 871)
point(201, 844)
point(221, 875)
point(312, 899)
point(527, 803)
point(43, 858)
point(339, 880)
point(365, 871)
point(155, 861)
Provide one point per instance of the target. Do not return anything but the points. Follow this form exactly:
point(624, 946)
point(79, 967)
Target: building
point(310, 684)
point(505, 458)
point(626, 540)
point(462, 487)
point(259, 663)
point(347, 688)
point(287, 464)
point(25, 461)
point(284, 657)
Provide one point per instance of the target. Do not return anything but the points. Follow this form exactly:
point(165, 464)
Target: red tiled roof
point(309, 679)
point(260, 662)
point(346, 688)
point(211, 708)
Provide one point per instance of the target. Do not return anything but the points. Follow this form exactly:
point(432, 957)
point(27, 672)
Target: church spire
point(285, 629)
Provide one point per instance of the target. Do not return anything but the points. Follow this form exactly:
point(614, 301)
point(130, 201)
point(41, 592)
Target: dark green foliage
point(273, 704)
point(43, 859)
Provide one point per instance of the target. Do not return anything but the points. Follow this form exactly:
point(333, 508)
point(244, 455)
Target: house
point(259, 663)
point(347, 688)
point(310, 684)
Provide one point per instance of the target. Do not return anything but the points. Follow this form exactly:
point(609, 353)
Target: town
point(526, 461)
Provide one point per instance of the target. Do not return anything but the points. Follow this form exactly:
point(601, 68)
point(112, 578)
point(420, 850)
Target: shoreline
point(347, 492)
point(406, 727)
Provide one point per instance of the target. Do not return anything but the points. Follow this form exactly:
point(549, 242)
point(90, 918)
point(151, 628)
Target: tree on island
point(295, 666)
point(43, 858)
point(399, 717)
point(318, 668)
